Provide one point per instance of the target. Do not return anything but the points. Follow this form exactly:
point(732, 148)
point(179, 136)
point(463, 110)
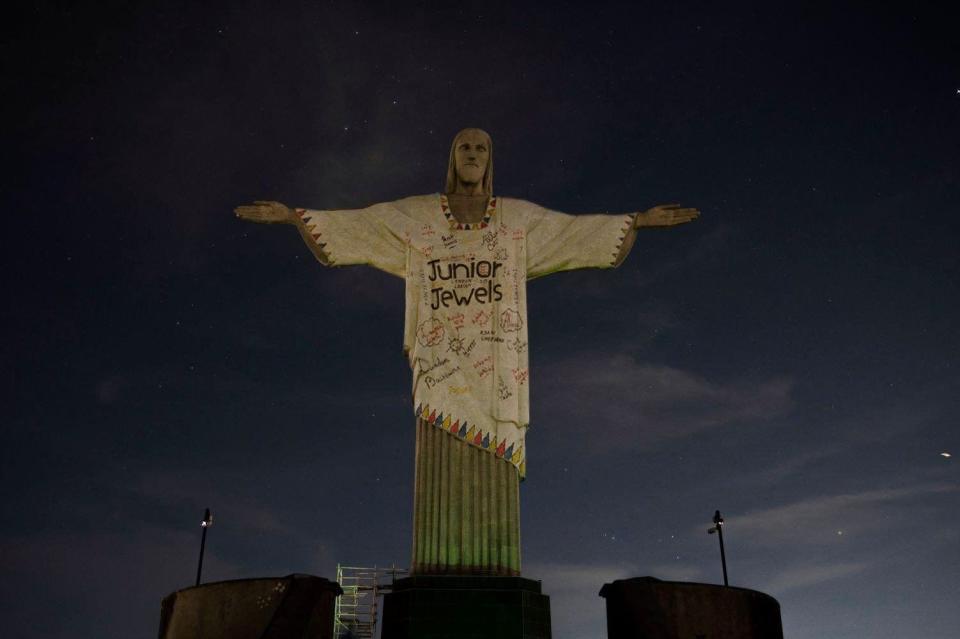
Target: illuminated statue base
point(466, 607)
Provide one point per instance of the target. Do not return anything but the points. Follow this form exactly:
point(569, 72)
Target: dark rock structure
point(647, 608)
point(291, 607)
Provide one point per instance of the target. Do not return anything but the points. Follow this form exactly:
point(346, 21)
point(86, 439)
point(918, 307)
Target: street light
point(206, 523)
point(718, 528)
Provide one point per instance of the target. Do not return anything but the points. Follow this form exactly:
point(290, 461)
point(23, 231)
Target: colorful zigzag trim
point(474, 436)
point(447, 213)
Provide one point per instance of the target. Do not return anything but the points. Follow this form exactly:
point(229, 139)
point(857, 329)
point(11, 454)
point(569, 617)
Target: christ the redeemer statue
point(466, 256)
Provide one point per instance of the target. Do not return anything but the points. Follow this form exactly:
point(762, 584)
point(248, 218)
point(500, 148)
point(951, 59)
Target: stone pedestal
point(291, 607)
point(465, 607)
point(647, 608)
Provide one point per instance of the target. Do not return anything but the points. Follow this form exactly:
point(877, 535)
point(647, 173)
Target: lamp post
point(718, 528)
point(206, 523)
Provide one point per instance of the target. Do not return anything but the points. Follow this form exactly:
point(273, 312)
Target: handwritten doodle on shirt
point(484, 366)
point(510, 321)
point(457, 320)
point(481, 318)
point(455, 344)
point(460, 346)
point(490, 336)
point(427, 366)
point(517, 345)
point(520, 375)
point(502, 389)
point(426, 231)
point(514, 274)
point(500, 255)
point(430, 332)
point(490, 239)
point(449, 241)
point(435, 378)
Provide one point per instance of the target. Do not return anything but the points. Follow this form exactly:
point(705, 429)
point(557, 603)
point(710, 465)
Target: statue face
point(471, 156)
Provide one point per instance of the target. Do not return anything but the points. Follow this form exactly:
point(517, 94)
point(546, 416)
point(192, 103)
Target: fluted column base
point(466, 508)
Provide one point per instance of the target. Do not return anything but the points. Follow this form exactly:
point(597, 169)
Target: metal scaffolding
point(355, 614)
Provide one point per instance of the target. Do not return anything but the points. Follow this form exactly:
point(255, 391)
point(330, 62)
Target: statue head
point(470, 170)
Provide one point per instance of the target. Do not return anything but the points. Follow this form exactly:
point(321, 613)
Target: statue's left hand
point(665, 215)
point(266, 212)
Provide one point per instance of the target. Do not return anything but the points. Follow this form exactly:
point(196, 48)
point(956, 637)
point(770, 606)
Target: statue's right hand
point(265, 212)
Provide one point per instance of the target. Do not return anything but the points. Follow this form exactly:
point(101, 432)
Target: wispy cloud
point(229, 490)
point(811, 575)
point(820, 520)
point(899, 416)
point(790, 466)
point(834, 537)
point(705, 248)
point(637, 405)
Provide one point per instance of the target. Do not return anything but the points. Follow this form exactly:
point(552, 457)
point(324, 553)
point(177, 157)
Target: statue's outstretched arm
point(661, 216)
point(266, 212)
point(270, 212)
point(665, 215)
point(374, 236)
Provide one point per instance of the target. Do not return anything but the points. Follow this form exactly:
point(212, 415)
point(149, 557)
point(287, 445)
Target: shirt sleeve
point(562, 242)
point(374, 236)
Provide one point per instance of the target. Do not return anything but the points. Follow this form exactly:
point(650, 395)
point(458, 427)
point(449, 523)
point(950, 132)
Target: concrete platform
point(466, 607)
point(647, 608)
point(291, 607)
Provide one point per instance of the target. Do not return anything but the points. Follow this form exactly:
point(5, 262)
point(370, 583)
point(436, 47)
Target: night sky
point(791, 358)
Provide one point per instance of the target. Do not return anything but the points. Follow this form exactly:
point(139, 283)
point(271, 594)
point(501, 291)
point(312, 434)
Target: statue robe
point(465, 337)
